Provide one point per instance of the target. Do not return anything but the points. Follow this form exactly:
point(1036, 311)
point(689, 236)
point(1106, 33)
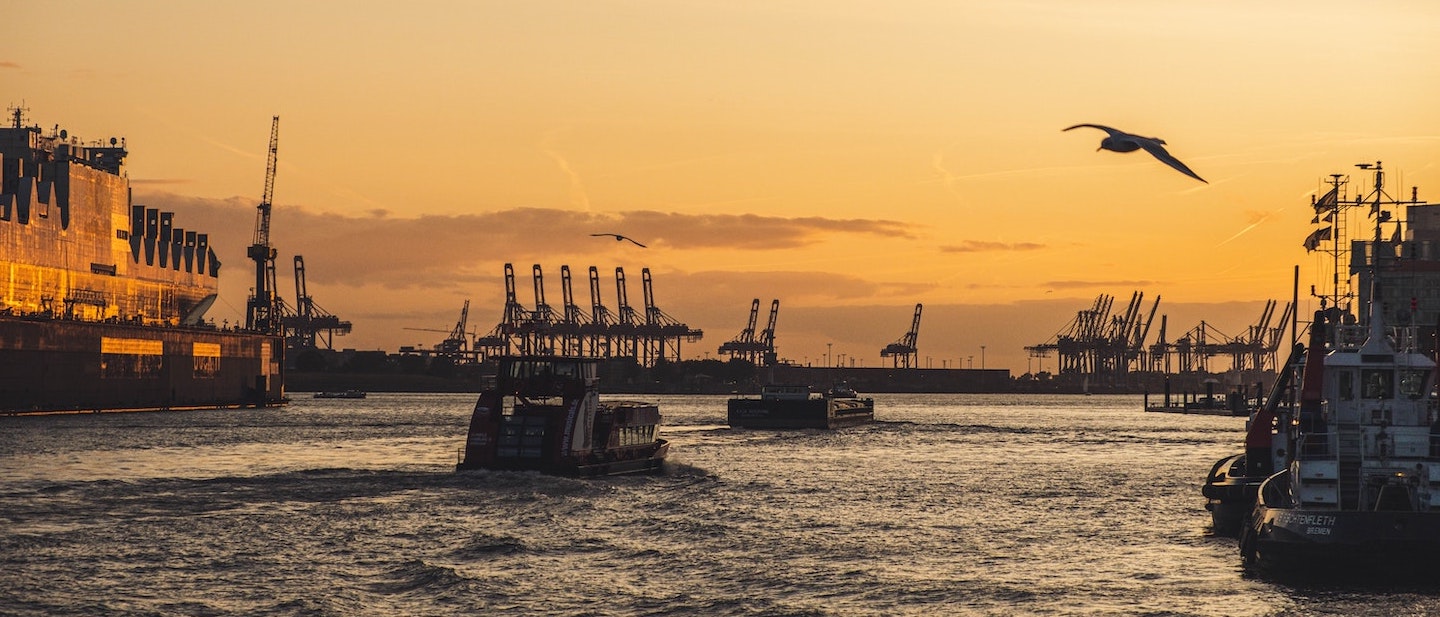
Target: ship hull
point(1286, 539)
point(1230, 495)
point(68, 366)
point(1301, 540)
point(650, 459)
point(799, 413)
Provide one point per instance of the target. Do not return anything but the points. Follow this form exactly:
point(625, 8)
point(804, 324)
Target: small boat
point(792, 406)
point(341, 394)
point(544, 413)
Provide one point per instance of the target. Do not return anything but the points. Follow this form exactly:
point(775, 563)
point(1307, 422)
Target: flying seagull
point(619, 237)
point(1120, 141)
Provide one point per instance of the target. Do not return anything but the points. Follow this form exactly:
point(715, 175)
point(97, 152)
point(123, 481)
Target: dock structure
point(904, 351)
point(307, 325)
point(1108, 346)
point(649, 337)
point(757, 349)
point(1098, 343)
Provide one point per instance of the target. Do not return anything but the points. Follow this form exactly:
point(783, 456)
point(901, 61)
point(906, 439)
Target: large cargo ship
point(102, 301)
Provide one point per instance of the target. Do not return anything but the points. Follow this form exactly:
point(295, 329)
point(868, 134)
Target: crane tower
point(262, 311)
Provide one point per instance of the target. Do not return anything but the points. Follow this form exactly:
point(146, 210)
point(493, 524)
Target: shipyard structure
point(646, 334)
point(102, 301)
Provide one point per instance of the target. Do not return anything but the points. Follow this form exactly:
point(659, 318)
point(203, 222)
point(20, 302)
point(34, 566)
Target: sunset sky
point(849, 158)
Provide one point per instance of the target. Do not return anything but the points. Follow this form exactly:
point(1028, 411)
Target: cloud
point(452, 251)
point(981, 246)
point(6, 64)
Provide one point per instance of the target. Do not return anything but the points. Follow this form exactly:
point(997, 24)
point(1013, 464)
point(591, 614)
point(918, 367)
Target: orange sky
point(850, 158)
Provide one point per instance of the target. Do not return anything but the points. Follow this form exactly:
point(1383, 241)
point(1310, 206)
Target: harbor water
point(949, 505)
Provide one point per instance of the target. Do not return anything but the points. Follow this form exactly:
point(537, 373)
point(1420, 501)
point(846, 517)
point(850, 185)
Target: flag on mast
point(1313, 241)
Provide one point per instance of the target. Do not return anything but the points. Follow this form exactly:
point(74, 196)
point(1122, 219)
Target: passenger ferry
point(544, 413)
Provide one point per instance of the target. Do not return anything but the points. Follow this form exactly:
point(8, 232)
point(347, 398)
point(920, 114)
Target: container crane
point(757, 349)
point(262, 312)
point(456, 344)
point(661, 335)
point(744, 345)
point(310, 325)
point(767, 336)
point(904, 351)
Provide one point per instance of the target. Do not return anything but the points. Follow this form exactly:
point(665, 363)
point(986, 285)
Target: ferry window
point(1378, 383)
point(1346, 382)
point(1412, 383)
point(565, 369)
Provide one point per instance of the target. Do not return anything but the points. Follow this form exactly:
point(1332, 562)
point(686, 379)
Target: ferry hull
point(52, 366)
point(638, 461)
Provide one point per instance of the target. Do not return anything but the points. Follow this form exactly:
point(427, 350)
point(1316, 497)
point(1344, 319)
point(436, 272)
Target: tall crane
point(262, 312)
point(904, 351)
point(767, 336)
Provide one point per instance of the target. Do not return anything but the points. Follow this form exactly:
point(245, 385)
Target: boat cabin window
point(1412, 383)
point(1379, 383)
point(1345, 382)
point(548, 369)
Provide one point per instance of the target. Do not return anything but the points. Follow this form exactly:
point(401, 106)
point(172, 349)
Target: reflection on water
point(951, 504)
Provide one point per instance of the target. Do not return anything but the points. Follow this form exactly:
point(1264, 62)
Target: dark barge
point(792, 407)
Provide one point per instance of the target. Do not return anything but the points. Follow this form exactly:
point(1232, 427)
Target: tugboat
point(790, 406)
point(1356, 482)
point(544, 413)
point(1361, 484)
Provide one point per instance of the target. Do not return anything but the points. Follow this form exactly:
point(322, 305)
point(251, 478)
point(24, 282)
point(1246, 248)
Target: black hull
point(1230, 495)
point(797, 414)
point(50, 366)
point(1303, 541)
point(632, 461)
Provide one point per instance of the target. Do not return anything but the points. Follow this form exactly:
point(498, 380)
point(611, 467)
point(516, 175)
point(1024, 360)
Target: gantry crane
point(904, 351)
point(310, 325)
point(767, 336)
point(572, 318)
point(757, 349)
point(456, 344)
point(648, 338)
point(262, 311)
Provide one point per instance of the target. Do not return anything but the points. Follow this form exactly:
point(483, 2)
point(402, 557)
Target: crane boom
point(262, 217)
point(262, 312)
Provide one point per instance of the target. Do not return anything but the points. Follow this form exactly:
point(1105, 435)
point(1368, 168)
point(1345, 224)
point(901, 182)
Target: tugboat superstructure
point(1356, 462)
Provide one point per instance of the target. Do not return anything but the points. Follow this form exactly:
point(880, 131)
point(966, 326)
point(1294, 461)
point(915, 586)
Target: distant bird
point(619, 237)
point(1120, 141)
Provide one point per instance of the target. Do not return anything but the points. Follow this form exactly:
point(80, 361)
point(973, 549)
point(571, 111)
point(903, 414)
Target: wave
point(415, 576)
